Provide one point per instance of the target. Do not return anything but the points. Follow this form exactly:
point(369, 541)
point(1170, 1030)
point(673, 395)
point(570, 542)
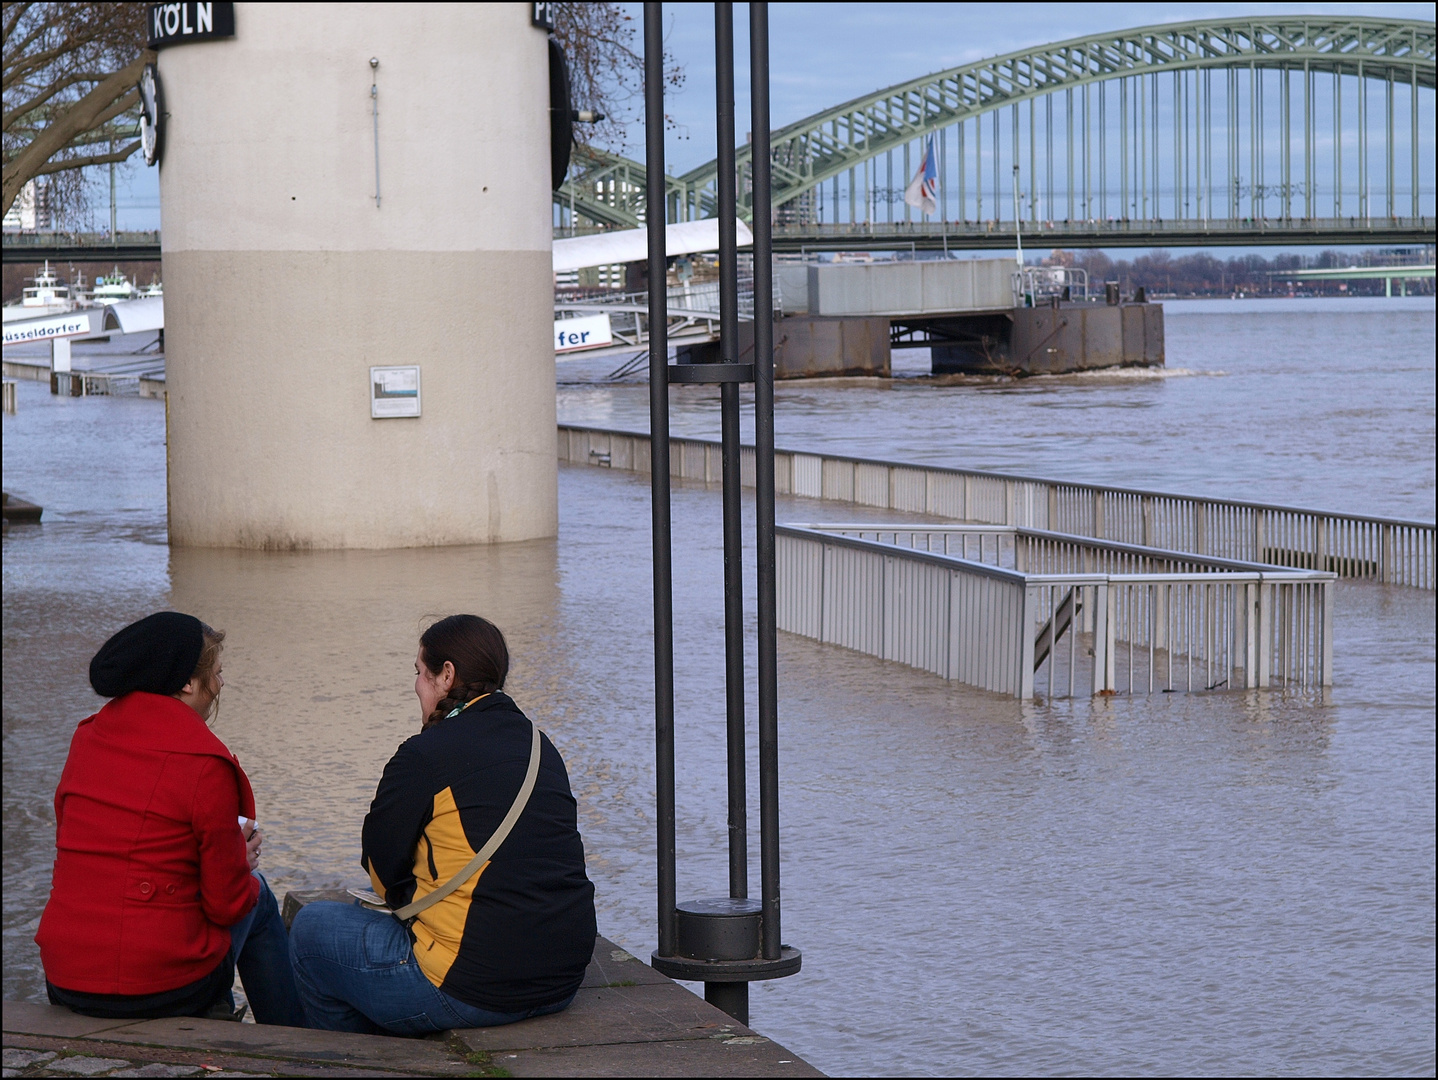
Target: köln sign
point(179, 24)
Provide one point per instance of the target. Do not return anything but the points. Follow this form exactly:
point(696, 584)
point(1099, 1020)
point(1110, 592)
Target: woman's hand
point(253, 839)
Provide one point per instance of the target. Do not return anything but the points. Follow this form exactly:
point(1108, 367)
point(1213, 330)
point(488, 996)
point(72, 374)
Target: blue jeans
point(260, 950)
point(356, 971)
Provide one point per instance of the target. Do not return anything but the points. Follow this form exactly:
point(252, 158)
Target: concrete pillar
point(59, 354)
point(285, 282)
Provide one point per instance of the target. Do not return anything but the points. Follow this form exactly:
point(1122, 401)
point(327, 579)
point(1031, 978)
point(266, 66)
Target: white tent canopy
point(134, 316)
point(632, 245)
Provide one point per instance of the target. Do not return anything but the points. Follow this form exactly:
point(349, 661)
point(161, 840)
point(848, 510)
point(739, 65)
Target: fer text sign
point(586, 332)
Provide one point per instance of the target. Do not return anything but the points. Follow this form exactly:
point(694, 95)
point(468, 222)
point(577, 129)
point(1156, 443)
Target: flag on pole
point(922, 192)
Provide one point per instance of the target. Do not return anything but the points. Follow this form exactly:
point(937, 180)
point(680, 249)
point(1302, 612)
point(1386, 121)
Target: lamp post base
point(726, 982)
point(732, 998)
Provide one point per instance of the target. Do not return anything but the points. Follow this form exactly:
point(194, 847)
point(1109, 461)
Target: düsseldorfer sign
point(177, 24)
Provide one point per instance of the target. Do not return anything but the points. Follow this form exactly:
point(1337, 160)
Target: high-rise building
point(30, 212)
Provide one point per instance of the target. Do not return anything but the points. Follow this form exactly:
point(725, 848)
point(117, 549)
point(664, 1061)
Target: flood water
point(1324, 403)
point(1228, 882)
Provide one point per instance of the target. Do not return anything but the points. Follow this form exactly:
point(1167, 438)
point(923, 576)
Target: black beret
point(157, 654)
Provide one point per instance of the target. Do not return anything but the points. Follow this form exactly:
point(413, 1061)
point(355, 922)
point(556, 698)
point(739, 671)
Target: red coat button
point(146, 888)
point(170, 889)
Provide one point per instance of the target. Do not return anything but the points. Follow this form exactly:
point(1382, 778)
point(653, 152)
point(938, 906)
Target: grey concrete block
point(695, 1057)
point(299, 1044)
point(929, 286)
point(86, 1066)
point(159, 1068)
point(633, 1014)
point(612, 965)
point(27, 1018)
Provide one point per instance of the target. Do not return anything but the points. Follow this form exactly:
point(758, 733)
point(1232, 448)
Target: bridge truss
point(1312, 128)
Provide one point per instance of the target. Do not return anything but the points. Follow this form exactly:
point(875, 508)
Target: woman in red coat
point(155, 900)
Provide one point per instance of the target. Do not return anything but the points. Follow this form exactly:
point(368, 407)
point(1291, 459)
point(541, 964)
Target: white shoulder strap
point(491, 845)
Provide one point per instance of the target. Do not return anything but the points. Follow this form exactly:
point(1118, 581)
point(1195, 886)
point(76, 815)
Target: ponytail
point(478, 652)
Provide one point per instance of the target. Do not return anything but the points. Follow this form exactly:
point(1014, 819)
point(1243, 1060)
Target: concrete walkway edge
point(627, 1020)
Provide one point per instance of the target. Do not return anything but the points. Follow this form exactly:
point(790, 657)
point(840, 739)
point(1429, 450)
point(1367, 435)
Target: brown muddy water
point(1206, 883)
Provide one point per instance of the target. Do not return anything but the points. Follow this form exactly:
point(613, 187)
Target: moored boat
point(112, 288)
point(48, 295)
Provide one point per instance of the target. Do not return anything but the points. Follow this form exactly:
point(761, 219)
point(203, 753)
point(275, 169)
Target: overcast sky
point(825, 54)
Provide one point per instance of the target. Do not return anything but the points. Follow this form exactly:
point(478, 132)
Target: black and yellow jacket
point(520, 934)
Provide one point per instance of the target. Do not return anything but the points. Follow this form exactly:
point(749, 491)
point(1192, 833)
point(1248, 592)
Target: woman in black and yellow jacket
point(473, 844)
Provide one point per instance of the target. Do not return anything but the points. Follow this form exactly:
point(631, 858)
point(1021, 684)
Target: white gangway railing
point(1389, 550)
point(1135, 620)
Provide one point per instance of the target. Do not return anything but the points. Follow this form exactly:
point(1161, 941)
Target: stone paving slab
point(629, 1014)
point(298, 1044)
point(613, 966)
point(177, 1061)
point(626, 1020)
point(691, 1057)
point(29, 1018)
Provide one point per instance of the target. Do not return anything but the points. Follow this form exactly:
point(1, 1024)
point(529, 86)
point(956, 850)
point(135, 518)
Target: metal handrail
point(1241, 571)
point(1223, 565)
point(1211, 500)
point(1033, 284)
point(933, 557)
point(996, 628)
point(1390, 550)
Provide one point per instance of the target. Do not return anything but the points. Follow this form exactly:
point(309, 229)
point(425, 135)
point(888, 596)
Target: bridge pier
point(1048, 340)
point(291, 273)
point(812, 347)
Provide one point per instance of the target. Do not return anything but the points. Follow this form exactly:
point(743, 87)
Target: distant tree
point(1201, 274)
point(606, 69)
point(1099, 266)
point(70, 76)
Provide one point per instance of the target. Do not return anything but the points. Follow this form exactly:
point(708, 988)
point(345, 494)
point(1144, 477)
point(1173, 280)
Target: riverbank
point(628, 1020)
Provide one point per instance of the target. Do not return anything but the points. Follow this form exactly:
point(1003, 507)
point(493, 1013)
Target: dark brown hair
point(477, 650)
point(208, 664)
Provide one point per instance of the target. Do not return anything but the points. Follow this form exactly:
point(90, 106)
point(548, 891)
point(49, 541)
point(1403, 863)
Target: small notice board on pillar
point(394, 391)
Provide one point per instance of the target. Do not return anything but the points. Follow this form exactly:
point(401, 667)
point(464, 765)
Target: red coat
point(150, 865)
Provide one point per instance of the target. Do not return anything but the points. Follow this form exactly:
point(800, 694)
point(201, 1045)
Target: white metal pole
point(1018, 239)
point(374, 112)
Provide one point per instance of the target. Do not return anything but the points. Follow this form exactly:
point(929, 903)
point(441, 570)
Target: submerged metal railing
point(1388, 550)
point(1042, 552)
point(1017, 632)
point(1034, 286)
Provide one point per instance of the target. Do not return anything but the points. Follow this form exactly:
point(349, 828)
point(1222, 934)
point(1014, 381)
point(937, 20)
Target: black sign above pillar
point(179, 24)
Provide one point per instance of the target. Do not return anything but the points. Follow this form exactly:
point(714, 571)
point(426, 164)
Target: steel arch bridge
point(1151, 147)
